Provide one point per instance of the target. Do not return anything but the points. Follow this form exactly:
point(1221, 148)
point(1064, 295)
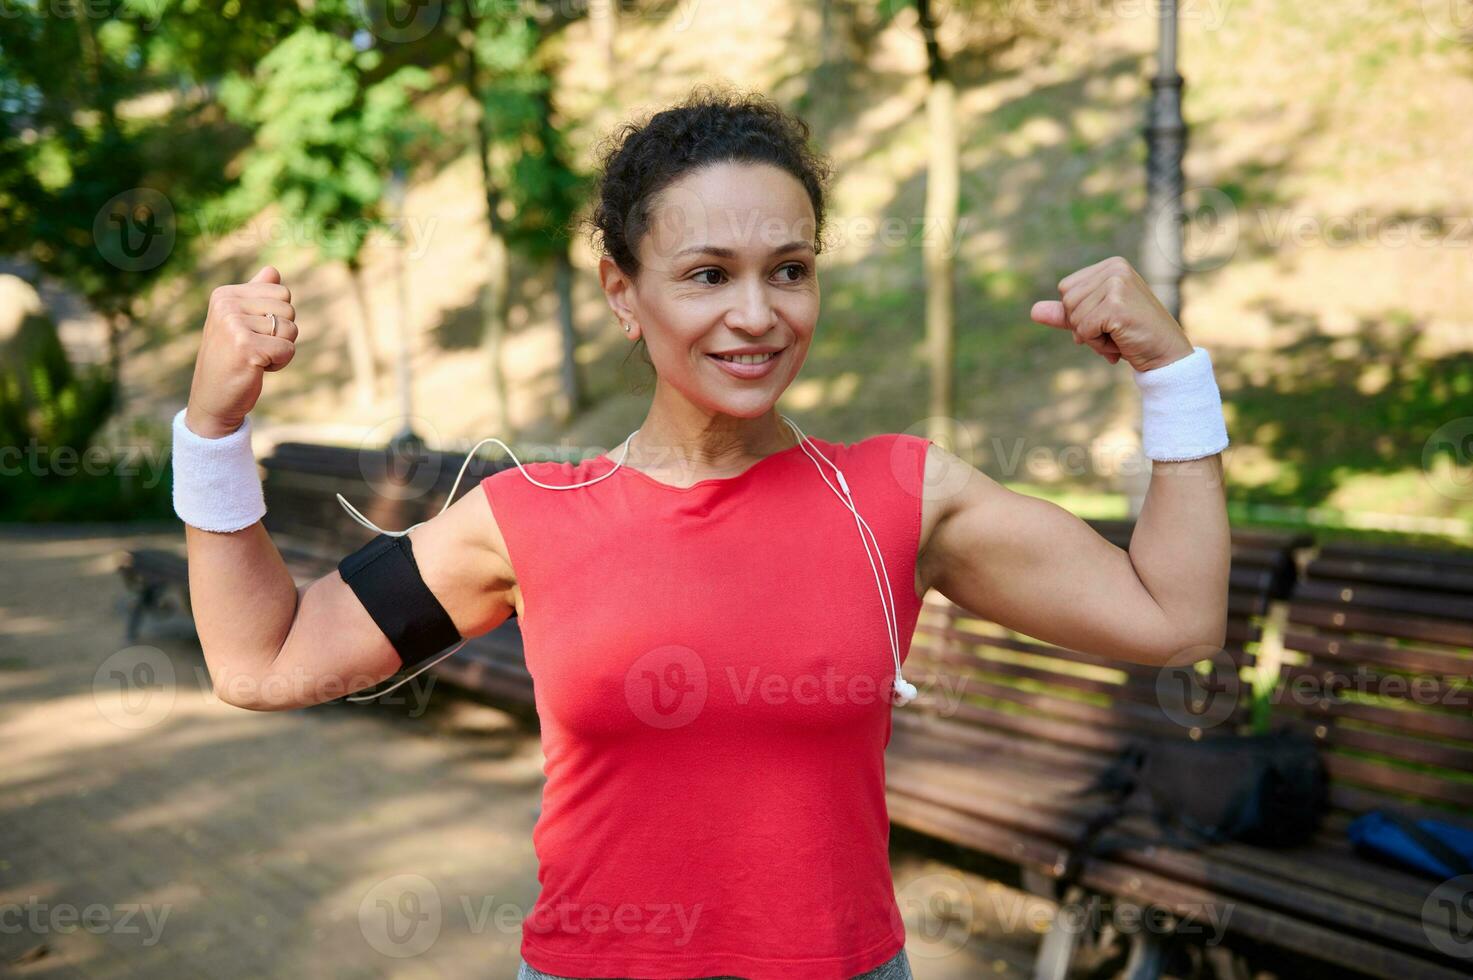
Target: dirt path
point(147, 830)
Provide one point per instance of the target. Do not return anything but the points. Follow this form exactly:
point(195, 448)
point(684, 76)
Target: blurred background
point(1293, 179)
point(419, 181)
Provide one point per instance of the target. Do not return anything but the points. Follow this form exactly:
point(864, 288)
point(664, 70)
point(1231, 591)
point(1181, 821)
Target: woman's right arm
point(268, 645)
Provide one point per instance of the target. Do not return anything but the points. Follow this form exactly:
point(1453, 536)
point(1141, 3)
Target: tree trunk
point(572, 391)
point(498, 255)
point(117, 323)
point(940, 226)
point(605, 17)
point(360, 343)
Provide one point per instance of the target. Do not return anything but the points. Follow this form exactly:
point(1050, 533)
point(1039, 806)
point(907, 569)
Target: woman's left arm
point(1032, 566)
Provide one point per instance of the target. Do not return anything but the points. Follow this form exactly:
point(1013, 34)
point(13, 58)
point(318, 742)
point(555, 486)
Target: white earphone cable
point(903, 691)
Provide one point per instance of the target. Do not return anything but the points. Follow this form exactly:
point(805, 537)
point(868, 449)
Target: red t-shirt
point(712, 675)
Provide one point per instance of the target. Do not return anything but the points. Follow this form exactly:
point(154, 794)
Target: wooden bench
point(1009, 728)
point(1379, 669)
point(313, 532)
point(1378, 659)
point(1357, 615)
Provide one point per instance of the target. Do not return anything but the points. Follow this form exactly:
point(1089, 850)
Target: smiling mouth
point(746, 358)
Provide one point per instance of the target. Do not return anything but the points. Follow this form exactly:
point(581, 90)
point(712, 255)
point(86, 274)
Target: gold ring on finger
point(273, 323)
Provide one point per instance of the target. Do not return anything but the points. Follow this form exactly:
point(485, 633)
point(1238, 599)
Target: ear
point(617, 288)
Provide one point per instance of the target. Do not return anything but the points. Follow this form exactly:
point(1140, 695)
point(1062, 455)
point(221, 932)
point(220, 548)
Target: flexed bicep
point(1032, 566)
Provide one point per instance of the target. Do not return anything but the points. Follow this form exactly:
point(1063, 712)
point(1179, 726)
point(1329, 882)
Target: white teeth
point(748, 358)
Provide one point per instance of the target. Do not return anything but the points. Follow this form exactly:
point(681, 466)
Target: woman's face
point(727, 264)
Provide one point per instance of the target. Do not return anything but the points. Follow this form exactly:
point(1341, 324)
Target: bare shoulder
point(465, 561)
point(952, 486)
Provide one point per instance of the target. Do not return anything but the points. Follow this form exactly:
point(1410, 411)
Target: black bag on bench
point(1267, 789)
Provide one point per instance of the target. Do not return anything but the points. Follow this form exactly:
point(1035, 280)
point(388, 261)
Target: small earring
point(626, 326)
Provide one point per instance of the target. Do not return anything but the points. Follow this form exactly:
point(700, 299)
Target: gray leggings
point(895, 968)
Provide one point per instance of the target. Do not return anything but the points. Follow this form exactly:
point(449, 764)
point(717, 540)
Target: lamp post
point(1166, 142)
point(1162, 259)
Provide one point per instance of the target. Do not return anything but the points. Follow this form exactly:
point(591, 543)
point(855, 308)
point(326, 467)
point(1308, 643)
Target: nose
point(752, 311)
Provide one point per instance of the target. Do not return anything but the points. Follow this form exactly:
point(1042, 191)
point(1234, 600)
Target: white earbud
point(905, 691)
point(902, 691)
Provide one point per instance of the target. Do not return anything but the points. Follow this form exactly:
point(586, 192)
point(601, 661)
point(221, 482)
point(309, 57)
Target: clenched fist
point(237, 349)
point(1110, 308)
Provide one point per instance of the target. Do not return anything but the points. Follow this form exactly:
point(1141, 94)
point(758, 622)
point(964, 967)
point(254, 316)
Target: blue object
point(1432, 847)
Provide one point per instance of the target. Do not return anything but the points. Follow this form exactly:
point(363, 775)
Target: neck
point(687, 438)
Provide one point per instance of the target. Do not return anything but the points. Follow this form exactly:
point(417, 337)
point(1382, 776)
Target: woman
point(713, 671)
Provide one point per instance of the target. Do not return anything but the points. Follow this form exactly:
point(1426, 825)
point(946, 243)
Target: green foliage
point(529, 155)
point(327, 136)
point(43, 397)
point(50, 416)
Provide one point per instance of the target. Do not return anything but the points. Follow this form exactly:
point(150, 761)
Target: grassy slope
point(1338, 361)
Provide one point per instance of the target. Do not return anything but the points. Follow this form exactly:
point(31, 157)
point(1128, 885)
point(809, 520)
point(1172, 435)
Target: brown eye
point(800, 267)
point(706, 272)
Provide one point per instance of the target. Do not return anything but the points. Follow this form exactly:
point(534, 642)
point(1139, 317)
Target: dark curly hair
point(713, 124)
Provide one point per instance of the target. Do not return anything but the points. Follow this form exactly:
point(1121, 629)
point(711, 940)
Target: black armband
point(384, 576)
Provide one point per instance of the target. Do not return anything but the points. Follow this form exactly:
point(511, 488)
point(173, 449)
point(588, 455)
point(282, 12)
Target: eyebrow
point(728, 253)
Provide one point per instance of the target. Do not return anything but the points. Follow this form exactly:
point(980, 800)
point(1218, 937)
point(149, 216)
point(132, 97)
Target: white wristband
point(1181, 409)
point(216, 486)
